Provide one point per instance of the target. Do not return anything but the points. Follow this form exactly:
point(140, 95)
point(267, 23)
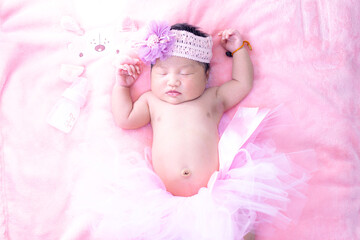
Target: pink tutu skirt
point(255, 185)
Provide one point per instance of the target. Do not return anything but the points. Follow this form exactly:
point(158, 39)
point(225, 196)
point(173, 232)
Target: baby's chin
point(178, 99)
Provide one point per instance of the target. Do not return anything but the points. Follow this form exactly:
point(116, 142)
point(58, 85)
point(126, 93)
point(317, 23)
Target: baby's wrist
point(120, 85)
point(231, 53)
point(119, 82)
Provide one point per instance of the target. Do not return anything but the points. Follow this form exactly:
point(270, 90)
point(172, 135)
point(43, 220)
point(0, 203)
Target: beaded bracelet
point(230, 54)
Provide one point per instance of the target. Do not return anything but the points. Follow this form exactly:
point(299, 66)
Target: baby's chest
point(189, 114)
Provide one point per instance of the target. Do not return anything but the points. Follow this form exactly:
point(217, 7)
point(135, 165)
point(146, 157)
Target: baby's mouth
point(173, 93)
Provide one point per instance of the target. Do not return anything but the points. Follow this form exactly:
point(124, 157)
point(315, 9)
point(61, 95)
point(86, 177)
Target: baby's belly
point(185, 165)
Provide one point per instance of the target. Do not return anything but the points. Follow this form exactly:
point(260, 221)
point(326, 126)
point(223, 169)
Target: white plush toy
point(84, 48)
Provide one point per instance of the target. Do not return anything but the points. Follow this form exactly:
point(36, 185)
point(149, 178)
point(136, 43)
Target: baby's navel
point(186, 172)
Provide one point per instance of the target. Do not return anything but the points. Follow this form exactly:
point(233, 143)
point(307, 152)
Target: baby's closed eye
point(185, 73)
point(161, 73)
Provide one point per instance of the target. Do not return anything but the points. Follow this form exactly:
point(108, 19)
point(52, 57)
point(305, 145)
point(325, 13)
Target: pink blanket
point(305, 53)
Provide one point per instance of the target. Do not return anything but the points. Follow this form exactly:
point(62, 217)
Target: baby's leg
point(249, 236)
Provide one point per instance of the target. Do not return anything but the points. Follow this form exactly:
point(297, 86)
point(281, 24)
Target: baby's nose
point(173, 81)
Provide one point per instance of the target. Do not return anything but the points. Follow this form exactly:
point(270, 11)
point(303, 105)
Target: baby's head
point(205, 61)
point(179, 57)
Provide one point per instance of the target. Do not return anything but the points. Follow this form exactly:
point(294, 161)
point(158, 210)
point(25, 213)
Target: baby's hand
point(230, 39)
point(127, 73)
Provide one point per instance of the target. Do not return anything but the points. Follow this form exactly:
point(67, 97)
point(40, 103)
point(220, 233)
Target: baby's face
point(176, 79)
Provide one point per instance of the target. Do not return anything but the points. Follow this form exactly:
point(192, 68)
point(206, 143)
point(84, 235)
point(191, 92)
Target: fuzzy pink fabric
point(306, 54)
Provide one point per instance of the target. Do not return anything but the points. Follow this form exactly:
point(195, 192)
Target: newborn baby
point(183, 112)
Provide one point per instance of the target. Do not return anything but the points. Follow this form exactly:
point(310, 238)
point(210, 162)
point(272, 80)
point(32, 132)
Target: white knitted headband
point(161, 42)
point(188, 45)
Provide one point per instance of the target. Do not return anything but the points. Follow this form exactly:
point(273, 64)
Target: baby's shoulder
point(149, 97)
point(211, 90)
point(146, 95)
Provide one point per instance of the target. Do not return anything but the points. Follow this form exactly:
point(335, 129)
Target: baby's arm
point(128, 114)
point(233, 91)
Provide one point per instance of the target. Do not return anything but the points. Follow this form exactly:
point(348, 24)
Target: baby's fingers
point(226, 34)
point(129, 70)
point(222, 34)
point(133, 70)
point(125, 69)
point(122, 70)
point(223, 39)
point(138, 70)
point(229, 33)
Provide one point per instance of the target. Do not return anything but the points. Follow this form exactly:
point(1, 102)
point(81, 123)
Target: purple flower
point(157, 43)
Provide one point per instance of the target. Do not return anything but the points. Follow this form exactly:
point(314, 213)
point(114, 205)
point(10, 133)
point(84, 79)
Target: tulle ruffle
point(255, 185)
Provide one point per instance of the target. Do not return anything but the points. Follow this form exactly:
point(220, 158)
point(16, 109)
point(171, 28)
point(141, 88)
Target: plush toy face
point(93, 44)
point(99, 44)
point(96, 43)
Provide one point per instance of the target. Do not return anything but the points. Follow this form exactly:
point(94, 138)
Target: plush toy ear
point(125, 34)
point(71, 25)
point(128, 25)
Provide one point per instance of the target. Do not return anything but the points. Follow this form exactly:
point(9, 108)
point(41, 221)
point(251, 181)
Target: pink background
point(306, 55)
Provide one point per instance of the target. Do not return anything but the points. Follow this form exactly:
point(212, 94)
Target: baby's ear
point(207, 73)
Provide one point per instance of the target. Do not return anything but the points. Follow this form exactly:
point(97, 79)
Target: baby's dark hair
point(195, 31)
